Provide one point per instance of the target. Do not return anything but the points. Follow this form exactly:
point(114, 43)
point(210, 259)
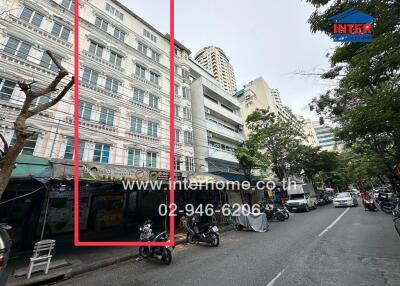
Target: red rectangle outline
point(171, 242)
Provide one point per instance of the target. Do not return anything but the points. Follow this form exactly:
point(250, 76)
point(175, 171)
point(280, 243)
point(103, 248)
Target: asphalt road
point(327, 246)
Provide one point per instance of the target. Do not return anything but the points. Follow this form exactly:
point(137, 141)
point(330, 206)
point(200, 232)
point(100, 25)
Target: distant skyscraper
point(325, 136)
point(216, 62)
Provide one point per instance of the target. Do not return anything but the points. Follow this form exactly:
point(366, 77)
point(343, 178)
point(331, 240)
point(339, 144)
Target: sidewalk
point(72, 261)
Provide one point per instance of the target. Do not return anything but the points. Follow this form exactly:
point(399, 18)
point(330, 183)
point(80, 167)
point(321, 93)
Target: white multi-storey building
point(124, 83)
point(217, 124)
point(217, 63)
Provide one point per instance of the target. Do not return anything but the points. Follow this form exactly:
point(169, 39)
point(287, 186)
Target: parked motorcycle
point(389, 205)
point(285, 212)
point(274, 213)
point(159, 253)
point(197, 233)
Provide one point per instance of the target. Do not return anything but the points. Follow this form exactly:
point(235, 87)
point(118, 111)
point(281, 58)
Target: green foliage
point(366, 104)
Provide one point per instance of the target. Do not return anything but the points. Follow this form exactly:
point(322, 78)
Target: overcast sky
point(267, 38)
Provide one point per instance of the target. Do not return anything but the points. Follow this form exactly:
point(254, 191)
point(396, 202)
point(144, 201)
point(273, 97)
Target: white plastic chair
point(41, 255)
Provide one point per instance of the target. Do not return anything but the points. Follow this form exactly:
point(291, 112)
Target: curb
point(84, 268)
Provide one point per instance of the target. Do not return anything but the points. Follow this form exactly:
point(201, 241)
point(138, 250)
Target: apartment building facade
point(326, 138)
point(217, 63)
point(123, 89)
point(217, 123)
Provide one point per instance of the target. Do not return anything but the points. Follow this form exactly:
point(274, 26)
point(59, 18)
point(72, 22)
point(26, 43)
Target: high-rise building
point(326, 138)
point(217, 63)
point(217, 123)
point(124, 84)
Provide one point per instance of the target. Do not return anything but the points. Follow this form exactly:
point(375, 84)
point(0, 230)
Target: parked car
point(383, 192)
point(301, 197)
point(345, 199)
point(5, 246)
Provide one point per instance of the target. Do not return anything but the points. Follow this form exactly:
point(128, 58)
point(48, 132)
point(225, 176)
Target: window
point(112, 84)
point(177, 136)
point(138, 94)
point(32, 16)
point(101, 153)
point(155, 56)
point(40, 100)
point(96, 49)
point(6, 89)
point(85, 110)
point(136, 124)
point(185, 92)
point(177, 111)
point(177, 162)
point(134, 157)
point(151, 159)
point(30, 143)
point(185, 73)
point(107, 116)
point(154, 78)
point(188, 137)
point(101, 23)
point(176, 90)
point(48, 63)
point(115, 58)
point(153, 101)
point(114, 11)
point(152, 129)
point(120, 35)
point(149, 35)
point(17, 48)
point(68, 4)
point(142, 48)
point(140, 71)
point(90, 76)
point(189, 164)
point(61, 31)
point(187, 113)
point(69, 149)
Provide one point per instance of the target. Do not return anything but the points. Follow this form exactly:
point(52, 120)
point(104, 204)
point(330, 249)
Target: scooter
point(159, 253)
point(207, 233)
point(274, 213)
point(369, 205)
point(389, 206)
point(285, 212)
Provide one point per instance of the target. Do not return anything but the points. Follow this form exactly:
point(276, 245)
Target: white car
point(345, 199)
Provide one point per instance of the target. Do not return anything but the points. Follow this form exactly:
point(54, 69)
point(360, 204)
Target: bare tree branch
point(49, 104)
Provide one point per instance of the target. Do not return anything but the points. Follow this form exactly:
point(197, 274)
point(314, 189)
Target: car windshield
point(342, 195)
point(297, 197)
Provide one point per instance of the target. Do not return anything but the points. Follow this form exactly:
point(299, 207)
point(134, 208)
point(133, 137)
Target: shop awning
point(31, 166)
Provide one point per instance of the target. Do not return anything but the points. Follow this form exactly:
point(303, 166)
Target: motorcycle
point(274, 213)
point(285, 212)
point(389, 205)
point(159, 253)
point(369, 205)
point(207, 233)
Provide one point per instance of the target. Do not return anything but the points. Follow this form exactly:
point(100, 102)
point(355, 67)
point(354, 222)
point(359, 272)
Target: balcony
point(221, 155)
point(224, 132)
point(143, 137)
point(222, 111)
point(94, 125)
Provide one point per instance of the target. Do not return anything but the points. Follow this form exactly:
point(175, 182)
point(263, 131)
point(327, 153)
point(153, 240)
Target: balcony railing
point(221, 155)
point(92, 125)
point(222, 111)
point(225, 132)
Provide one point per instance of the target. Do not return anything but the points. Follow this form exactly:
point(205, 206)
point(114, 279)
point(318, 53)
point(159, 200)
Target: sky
point(268, 38)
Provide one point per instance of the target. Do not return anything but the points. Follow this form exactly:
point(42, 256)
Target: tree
point(250, 157)
point(366, 104)
point(9, 154)
point(276, 138)
point(311, 161)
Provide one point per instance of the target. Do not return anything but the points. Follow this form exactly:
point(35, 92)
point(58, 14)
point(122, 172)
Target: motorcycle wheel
point(143, 251)
point(238, 226)
point(189, 238)
point(286, 214)
point(280, 216)
point(166, 256)
point(386, 209)
point(214, 239)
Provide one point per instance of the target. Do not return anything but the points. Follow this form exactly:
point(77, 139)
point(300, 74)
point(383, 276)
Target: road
point(327, 246)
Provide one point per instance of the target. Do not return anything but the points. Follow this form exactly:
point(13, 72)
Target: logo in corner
point(352, 26)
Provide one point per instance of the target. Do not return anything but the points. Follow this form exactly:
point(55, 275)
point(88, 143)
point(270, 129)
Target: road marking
point(333, 223)
point(276, 277)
